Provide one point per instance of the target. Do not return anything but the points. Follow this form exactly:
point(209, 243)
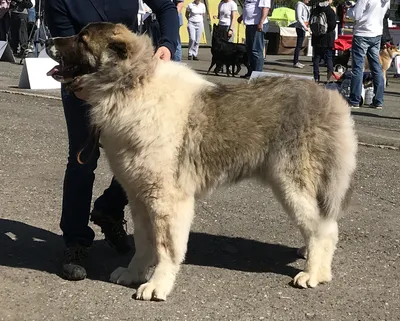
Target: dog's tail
point(336, 183)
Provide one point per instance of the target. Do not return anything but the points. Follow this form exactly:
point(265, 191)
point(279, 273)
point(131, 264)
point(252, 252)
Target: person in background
point(255, 18)
point(302, 18)
point(195, 13)
point(4, 19)
point(340, 13)
point(227, 16)
point(66, 18)
point(323, 43)
point(386, 37)
point(19, 26)
point(178, 52)
point(367, 33)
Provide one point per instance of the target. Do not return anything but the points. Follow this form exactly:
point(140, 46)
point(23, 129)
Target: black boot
point(72, 266)
point(113, 229)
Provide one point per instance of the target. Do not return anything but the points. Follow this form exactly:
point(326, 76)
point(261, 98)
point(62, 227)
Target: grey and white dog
point(169, 144)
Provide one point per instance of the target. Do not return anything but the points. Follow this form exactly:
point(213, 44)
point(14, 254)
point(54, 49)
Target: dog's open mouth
point(63, 73)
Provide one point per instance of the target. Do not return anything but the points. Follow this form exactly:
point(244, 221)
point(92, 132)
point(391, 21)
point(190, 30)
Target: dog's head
point(391, 49)
point(86, 52)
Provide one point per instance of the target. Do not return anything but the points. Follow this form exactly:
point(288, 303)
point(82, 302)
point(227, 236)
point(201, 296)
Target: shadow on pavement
point(392, 93)
point(30, 247)
point(358, 113)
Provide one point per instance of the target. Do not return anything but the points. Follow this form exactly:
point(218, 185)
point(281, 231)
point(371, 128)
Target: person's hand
point(260, 27)
point(240, 19)
point(230, 33)
point(163, 53)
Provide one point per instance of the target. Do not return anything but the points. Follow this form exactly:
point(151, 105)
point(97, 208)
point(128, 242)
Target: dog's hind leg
point(171, 219)
point(320, 234)
point(238, 69)
point(144, 256)
point(212, 65)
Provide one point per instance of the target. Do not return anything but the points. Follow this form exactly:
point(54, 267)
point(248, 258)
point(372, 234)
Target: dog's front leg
point(144, 256)
point(171, 219)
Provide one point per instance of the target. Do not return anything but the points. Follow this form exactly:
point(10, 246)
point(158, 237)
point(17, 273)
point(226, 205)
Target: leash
point(93, 137)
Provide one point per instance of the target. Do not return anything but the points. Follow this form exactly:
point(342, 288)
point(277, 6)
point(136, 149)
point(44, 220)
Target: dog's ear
point(120, 48)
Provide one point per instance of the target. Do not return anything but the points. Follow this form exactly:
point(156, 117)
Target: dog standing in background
point(228, 54)
point(168, 145)
point(386, 56)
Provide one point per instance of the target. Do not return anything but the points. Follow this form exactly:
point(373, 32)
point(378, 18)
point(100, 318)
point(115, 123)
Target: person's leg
point(14, 32)
point(358, 50)
point(316, 60)
point(192, 37)
point(178, 53)
point(77, 189)
point(328, 57)
point(376, 70)
point(4, 27)
point(258, 48)
point(299, 44)
point(199, 33)
point(250, 34)
point(79, 178)
point(23, 32)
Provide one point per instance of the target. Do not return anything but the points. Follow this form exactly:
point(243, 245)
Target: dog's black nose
point(49, 42)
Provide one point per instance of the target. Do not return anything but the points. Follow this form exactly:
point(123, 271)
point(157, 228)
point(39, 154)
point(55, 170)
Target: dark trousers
point(79, 178)
point(19, 31)
point(255, 44)
point(301, 34)
point(327, 55)
point(4, 27)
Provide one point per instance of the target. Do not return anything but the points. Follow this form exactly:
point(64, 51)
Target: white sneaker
point(298, 65)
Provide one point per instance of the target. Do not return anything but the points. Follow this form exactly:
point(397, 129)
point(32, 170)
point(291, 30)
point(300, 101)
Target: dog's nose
point(49, 42)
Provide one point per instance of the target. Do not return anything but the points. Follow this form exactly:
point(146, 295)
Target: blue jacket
point(67, 17)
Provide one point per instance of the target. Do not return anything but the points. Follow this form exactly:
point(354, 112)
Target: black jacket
point(386, 37)
point(68, 17)
point(326, 40)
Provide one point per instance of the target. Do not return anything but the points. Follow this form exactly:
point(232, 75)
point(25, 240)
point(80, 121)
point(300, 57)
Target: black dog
point(227, 53)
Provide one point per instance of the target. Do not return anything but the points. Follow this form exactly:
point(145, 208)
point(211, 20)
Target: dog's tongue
point(53, 71)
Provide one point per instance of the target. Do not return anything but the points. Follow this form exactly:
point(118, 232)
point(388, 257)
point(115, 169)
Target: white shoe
point(298, 65)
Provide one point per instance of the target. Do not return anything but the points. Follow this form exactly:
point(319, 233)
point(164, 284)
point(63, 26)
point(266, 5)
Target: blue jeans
point(178, 53)
point(361, 47)
point(255, 44)
point(301, 34)
point(79, 178)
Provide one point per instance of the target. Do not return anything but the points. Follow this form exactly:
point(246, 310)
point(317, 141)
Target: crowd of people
point(17, 20)
point(370, 34)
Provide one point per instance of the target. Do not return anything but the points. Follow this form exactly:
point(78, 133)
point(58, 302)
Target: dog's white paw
point(308, 280)
point(153, 290)
point(123, 276)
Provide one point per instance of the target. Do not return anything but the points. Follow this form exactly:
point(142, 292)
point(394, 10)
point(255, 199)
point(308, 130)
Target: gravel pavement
point(241, 255)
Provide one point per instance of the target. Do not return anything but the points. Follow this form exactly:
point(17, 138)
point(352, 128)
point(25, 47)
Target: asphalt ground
point(241, 256)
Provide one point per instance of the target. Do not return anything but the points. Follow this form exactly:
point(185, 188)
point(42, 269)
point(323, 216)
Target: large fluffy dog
point(169, 144)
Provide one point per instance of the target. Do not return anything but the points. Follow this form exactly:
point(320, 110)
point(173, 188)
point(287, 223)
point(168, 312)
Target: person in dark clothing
point(19, 26)
point(340, 13)
point(66, 18)
point(386, 37)
point(4, 26)
point(323, 44)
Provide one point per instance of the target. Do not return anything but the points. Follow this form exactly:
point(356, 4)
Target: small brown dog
point(386, 56)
